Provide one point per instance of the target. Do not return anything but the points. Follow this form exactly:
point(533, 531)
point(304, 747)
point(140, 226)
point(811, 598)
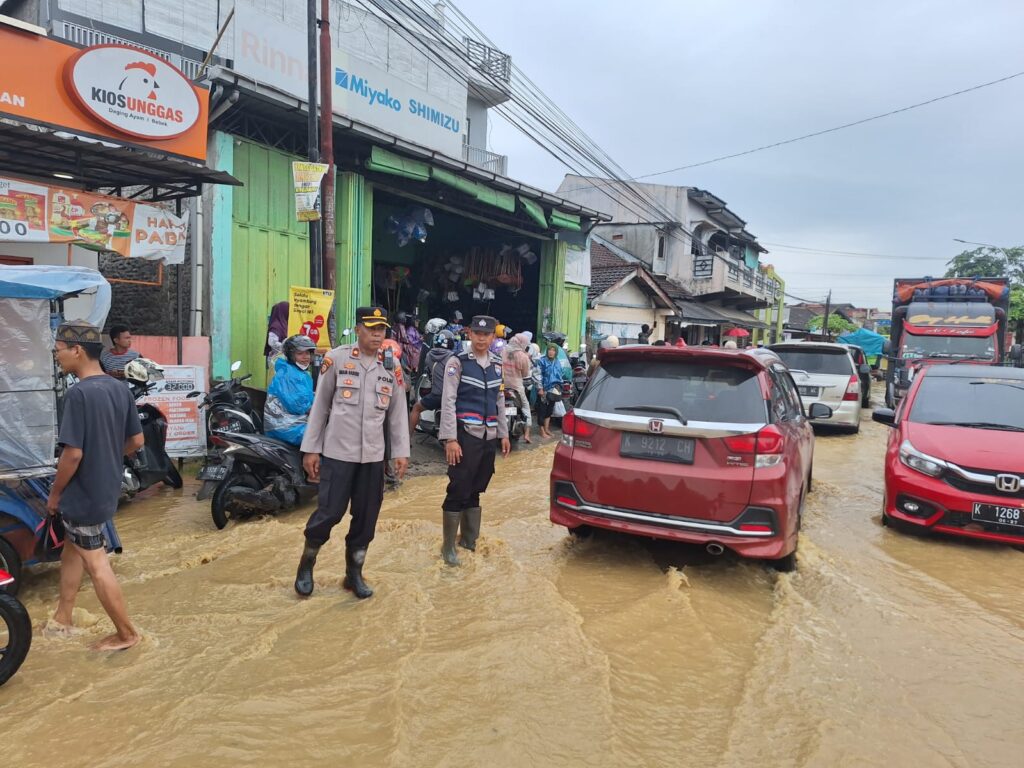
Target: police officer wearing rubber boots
point(357, 398)
point(472, 424)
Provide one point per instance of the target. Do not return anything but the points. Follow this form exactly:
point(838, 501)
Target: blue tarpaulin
point(869, 341)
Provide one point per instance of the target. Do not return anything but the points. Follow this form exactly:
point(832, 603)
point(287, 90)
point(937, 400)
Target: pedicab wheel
point(10, 561)
point(15, 636)
point(219, 505)
point(173, 478)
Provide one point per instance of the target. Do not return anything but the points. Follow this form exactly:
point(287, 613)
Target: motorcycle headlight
point(921, 462)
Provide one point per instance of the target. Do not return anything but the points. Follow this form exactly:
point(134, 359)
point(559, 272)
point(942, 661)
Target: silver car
point(825, 373)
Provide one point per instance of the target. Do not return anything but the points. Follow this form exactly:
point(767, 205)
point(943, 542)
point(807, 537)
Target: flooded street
point(882, 649)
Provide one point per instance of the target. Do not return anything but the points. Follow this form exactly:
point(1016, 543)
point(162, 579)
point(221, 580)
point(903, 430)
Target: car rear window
point(816, 361)
point(700, 392)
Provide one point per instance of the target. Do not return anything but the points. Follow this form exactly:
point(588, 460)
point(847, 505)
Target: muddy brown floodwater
point(881, 650)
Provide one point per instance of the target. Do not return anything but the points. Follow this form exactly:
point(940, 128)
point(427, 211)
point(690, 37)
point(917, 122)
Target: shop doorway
point(464, 265)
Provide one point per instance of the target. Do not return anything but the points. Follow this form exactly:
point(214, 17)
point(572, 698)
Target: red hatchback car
point(699, 445)
point(955, 460)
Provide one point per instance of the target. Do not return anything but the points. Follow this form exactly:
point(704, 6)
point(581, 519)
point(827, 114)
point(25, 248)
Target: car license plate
point(809, 391)
point(658, 448)
point(212, 472)
point(998, 514)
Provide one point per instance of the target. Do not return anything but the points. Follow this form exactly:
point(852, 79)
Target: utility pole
point(327, 144)
point(828, 309)
point(313, 145)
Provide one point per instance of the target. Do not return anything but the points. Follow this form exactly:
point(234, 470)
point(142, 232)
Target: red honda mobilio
point(955, 459)
point(706, 446)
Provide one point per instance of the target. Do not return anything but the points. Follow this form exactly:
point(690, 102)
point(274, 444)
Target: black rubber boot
point(354, 574)
point(304, 578)
point(450, 522)
point(470, 528)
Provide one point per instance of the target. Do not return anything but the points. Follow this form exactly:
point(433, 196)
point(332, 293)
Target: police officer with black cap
point(472, 423)
point(357, 399)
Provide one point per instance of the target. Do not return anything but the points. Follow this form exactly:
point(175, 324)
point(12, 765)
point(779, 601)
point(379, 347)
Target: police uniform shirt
point(449, 395)
point(353, 395)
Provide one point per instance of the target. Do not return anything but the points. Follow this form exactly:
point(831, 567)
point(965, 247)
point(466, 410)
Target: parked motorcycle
point(515, 415)
point(151, 464)
point(229, 407)
point(16, 626)
point(253, 474)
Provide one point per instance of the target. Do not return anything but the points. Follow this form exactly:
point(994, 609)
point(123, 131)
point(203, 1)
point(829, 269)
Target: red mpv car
point(706, 446)
point(955, 460)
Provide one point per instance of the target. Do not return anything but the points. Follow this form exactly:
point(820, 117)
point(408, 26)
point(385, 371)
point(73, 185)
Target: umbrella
point(740, 333)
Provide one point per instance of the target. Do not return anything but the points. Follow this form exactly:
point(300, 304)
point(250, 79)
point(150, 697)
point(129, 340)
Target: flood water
point(882, 649)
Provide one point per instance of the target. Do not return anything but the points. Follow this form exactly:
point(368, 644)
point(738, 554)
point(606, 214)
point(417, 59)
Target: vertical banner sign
point(307, 178)
point(308, 311)
point(186, 427)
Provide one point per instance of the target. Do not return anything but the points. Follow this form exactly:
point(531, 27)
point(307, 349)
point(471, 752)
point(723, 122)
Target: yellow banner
point(308, 311)
point(307, 178)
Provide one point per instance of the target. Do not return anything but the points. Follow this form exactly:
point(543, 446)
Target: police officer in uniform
point(472, 423)
point(357, 398)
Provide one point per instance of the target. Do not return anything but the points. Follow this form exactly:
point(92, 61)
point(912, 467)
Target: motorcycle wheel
point(15, 636)
point(173, 478)
point(219, 505)
point(10, 561)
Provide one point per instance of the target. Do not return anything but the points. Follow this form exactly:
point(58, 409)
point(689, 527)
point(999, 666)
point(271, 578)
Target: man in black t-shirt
point(99, 427)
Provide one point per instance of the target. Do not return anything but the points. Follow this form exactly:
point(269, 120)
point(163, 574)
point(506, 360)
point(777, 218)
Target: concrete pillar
point(221, 221)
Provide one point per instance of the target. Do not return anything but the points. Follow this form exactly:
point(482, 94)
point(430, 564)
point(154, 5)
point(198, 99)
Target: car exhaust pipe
point(714, 548)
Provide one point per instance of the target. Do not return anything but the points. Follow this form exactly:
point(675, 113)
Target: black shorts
point(431, 402)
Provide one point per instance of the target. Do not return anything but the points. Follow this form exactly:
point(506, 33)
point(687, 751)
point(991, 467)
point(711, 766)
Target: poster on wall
point(306, 178)
point(186, 427)
point(308, 312)
point(38, 213)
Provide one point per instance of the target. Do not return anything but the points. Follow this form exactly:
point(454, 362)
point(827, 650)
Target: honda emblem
point(1007, 483)
point(657, 426)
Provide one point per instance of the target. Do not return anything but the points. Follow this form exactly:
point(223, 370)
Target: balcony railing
point(84, 36)
point(489, 61)
point(713, 272)
point(488, 161)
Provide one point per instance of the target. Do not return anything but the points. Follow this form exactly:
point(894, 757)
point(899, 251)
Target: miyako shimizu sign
point(132, 91)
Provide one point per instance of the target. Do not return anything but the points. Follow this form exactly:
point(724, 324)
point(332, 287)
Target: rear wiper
point(977, 424)
point(655, 409)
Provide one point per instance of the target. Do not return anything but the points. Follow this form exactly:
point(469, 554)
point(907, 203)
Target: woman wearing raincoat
point(290, 394)
point(516, 369)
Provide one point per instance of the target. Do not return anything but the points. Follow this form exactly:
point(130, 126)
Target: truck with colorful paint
point(944, 321)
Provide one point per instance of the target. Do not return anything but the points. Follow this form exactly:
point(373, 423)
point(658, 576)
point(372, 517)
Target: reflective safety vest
point(477, 401)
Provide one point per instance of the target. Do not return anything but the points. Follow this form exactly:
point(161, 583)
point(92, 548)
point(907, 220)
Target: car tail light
point(766, 445)
point(573, 426)
point(852, 389)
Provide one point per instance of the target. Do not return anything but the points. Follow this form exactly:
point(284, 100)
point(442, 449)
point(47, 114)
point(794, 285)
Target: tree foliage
point(994, 262)
point(836, 323)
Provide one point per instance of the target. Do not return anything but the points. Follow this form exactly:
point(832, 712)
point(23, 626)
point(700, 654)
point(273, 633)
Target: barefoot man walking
point(100, 425)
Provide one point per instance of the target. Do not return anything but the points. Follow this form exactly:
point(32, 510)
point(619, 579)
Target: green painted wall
point(354, 252)
point(552, 283)
point(574, 312)
point(270, 249)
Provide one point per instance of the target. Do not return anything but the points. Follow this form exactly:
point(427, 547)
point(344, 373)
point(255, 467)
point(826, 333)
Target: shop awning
point(696, 313)
point(739, 317)
point(39, 153)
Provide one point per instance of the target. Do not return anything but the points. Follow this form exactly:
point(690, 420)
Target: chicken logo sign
point(132, 91)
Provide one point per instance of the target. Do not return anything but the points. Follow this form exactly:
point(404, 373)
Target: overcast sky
point(664, 83)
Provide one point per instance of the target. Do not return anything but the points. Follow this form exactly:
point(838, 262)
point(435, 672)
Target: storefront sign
point(306, 178)
point(308, 310)
point(132, 91)
point(37, 213)
point(186, 428)
point(274, 53)
point(52, 83)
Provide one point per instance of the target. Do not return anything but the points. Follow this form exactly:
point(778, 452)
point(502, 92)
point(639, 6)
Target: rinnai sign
point(132, 91)
point(275, 54)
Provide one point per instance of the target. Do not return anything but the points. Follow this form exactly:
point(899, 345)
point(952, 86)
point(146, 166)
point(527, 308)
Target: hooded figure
point(517, 369)
point(277, 330)
point(290, 394)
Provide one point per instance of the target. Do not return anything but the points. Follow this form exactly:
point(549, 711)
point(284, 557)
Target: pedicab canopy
point(28, 381)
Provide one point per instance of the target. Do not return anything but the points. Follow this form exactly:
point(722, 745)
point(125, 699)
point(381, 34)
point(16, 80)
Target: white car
point(825, 373)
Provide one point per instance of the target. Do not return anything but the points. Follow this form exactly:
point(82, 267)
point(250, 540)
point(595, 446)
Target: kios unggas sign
point(132, 91)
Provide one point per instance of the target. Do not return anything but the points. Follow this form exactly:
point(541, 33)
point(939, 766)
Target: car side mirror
point(819, 411)
point(885, 416)
point(864, 368)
